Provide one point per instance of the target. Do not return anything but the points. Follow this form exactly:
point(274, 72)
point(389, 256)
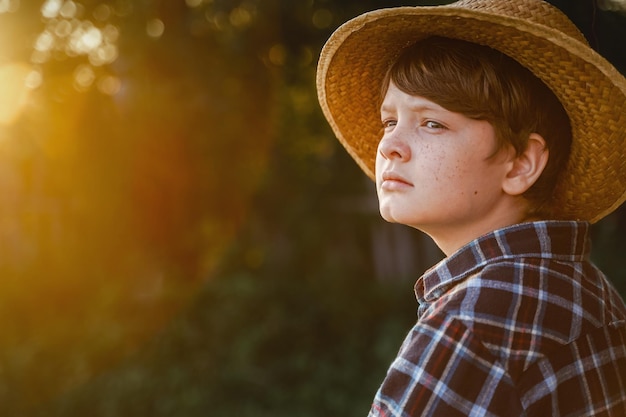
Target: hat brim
point(354, 60)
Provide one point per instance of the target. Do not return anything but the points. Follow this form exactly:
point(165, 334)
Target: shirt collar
point(558, 240)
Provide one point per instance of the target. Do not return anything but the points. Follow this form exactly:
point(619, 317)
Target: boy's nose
point(393, 147)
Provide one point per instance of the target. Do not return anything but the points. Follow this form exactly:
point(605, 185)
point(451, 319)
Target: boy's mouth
point(391, 180)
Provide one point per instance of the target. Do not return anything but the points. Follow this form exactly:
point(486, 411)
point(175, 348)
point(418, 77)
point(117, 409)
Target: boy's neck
point(452, 237)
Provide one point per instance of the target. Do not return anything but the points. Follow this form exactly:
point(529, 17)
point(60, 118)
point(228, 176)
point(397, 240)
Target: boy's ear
point(526, 167)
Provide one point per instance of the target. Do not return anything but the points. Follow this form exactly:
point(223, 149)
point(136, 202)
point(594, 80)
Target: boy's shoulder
point(531, 303)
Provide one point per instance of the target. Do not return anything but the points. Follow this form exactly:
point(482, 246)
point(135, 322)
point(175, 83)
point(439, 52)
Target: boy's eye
point(431, 124)
point(389, 123)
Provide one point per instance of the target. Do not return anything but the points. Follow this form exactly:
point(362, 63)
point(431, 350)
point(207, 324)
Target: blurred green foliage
point(206, 246)
point(248, 349)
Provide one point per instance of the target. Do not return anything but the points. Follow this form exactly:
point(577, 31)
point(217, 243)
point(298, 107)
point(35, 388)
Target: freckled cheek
point(433, 163)
point(456, 174)
point(448, 169)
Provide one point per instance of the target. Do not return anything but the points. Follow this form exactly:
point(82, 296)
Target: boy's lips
point(393, 181)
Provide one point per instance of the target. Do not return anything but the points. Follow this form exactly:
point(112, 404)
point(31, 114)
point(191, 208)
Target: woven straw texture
point(355, 58)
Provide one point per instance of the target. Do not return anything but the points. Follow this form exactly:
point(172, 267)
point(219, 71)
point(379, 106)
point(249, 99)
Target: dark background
point(180, 233)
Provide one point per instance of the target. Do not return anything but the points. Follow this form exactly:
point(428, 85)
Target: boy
point(500, 134)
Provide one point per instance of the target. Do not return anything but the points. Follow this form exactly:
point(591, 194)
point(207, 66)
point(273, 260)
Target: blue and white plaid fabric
point(516, 323)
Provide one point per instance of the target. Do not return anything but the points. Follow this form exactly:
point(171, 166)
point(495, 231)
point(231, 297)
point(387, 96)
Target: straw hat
point(355, 58)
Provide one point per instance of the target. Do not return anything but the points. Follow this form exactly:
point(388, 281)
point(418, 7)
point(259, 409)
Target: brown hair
point(482, 83)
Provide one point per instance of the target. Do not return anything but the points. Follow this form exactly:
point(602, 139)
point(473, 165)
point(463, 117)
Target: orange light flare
point(16, 82)
point(121, 192)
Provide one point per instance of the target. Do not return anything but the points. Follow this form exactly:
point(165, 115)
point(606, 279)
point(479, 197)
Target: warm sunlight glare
point(13, 91)
point(8, 6)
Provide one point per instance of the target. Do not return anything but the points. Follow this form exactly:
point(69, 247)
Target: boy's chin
point(388, 216)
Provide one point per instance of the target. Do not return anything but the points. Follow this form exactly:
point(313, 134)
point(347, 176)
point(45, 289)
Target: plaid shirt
point(516, 323)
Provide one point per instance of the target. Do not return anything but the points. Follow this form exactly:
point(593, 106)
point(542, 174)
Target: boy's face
point(434, 171)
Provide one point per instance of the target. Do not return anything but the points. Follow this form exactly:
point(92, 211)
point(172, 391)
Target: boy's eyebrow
point(385, 109)
point(423, 107)
point(414, 108)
